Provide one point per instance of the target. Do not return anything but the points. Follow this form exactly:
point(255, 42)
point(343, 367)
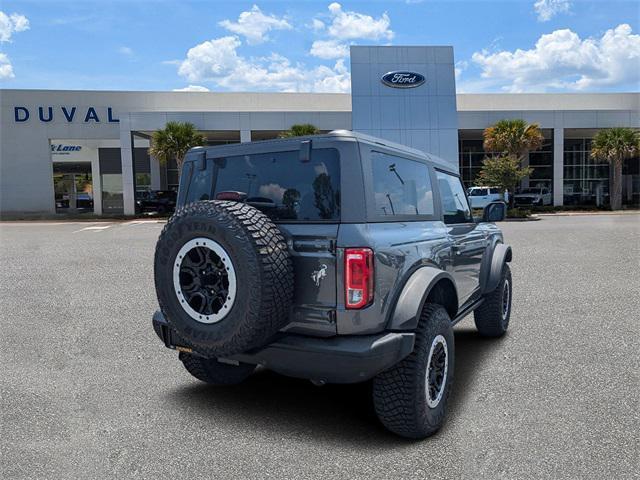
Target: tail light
point(358, 277)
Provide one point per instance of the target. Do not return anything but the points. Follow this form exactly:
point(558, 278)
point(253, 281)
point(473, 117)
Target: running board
point(467, 310)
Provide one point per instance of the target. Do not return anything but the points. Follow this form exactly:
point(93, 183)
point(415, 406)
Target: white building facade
point(72, 151)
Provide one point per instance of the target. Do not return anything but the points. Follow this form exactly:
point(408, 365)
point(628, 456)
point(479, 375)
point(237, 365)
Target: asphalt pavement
point(88, 391)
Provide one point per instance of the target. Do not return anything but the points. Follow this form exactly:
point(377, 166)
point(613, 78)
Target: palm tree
point(174, 141)
point(615, 145)
point(300, 130)
point(510, 141)
point(514, 138)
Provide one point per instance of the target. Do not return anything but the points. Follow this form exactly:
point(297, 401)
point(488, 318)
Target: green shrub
point(544, 209)
point(518, 213)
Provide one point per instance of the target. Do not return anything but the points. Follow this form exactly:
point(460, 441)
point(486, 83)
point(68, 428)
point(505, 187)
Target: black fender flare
point(501, 254)
point(415, 292)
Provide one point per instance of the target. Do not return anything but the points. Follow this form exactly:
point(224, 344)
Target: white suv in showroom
point(480, 197)
point(538, 196)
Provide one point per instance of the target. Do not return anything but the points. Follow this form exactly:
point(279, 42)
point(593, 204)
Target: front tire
point(211, 371)
point(411, 398)
point(492, 317)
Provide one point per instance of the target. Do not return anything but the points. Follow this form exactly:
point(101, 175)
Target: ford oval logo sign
point(401, 79)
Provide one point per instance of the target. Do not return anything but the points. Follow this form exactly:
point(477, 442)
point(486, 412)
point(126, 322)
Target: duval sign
point(403, 79)
point(65, 113)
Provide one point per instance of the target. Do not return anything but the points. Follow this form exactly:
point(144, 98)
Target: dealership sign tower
point(406, 95)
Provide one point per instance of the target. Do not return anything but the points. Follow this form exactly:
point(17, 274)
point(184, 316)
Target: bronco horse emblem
point(318, 275)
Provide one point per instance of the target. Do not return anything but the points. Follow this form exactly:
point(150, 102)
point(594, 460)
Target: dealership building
point(70, 151)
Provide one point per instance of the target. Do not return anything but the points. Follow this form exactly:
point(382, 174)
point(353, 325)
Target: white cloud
point(210, 59)
point(217, 61)
point(192, 88)
point(10, 24)
point(336, 79)
point(547, 9)
point(126, 51)
point(562, 60)
point(329, 49)
point(460, 67)
point(347, 25)
point(254, 25)
point(317, 25)
point(6, 69)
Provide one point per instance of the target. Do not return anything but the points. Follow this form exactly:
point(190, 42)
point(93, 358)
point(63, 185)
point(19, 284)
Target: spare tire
point(223, 276)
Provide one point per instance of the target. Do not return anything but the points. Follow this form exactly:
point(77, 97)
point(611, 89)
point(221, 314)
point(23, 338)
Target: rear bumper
point(341, 359)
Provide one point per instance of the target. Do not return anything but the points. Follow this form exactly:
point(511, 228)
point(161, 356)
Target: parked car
point(537, 196)
point(480, 197)
point(271, 259)
point(159, 201)
point(84, 201)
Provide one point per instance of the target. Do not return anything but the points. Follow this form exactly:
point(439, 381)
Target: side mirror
point(494, 212)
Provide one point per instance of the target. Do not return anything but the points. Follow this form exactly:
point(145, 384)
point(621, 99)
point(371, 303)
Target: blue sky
point(509, 46)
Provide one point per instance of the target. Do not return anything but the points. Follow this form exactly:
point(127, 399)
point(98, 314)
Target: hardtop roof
point(338, 135)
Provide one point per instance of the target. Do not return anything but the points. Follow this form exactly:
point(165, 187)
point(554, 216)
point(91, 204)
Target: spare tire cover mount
point(228, 263)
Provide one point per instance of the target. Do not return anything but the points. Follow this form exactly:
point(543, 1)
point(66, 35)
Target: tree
point(503, 172)
point(300, 130)
point(174, 141)
point(510, 141)
point(615, 145)
point(515, 138)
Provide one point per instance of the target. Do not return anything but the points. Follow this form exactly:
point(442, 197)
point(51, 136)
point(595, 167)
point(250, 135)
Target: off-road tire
point(263, 269)
point(489, 317)
point(399, 394)
point(211, 371)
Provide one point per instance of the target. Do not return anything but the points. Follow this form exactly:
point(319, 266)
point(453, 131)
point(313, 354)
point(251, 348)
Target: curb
point(572, 214)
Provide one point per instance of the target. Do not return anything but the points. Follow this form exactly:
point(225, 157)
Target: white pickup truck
point(480, 197)
point(533, 196)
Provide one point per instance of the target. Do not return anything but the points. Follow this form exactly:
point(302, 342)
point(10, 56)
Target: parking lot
point(88, 391)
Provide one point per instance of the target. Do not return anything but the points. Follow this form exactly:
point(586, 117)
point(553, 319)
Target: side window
point(495, 191)
point(400, 186)
point(455, 207)
point(201, 183)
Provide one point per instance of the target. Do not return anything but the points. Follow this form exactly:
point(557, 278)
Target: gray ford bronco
point(336, 258)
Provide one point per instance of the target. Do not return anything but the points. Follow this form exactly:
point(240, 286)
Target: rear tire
point(211, 371)
point(492, 317)
point(411, 398)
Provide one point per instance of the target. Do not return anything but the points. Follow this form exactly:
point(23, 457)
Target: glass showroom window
point(586, 181)
point(471, 156)
point(112, 195)
point(143, 182)
point(142, 169)
point(542, 163)
point(172, 175)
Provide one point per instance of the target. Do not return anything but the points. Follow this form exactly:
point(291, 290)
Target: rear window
point(277, 183)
